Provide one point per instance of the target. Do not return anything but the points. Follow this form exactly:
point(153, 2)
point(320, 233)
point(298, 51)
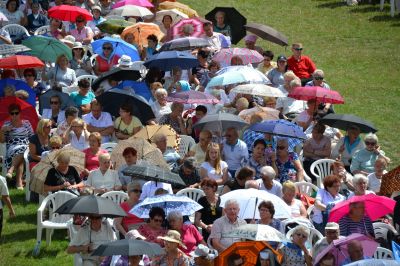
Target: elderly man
point(98, 121)
point(300, 64)
point(225, 224)
point(268, 182)
point(234, 150)
point(332, 232)
point(172, 158)
point(213, 38)
point(356, 252)
point(290, 107)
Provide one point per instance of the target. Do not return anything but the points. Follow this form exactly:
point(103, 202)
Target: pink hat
point(250, 38)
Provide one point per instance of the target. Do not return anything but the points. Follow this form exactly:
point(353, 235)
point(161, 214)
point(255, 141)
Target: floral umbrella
point(195, 23)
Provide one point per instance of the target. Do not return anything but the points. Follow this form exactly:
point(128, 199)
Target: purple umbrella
point(190, 97)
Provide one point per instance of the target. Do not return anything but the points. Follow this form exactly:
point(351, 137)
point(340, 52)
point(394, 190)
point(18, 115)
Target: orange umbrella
point(141, 31)
point(181, 7)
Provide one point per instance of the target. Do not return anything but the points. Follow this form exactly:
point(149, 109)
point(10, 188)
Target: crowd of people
point(217, 164)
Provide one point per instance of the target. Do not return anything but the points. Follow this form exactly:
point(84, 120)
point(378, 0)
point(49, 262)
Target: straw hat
point(68, 40)
point(173, 236)
point(77, 45)
point(125, 61)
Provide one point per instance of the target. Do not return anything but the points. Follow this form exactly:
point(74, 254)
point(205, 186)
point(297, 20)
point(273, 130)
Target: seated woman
point(77, 135)
point(190, 236)
point(92, 153)
point(39, 142)
point(360, 183)
point(103, 179)
point(30, 76)
point(286, 164)
point(189, 174)
point(289, 193)
point(256, 159)
point(356, 221)
point(242, 175)
point(213, 166)
point(126, 125)
point(173, 254)
point(130, 157)
point(198, 151)
point(131, 221)
point(61, 73)
point(106, 60)
point(153, 228)
point(83, 97)
point(56, 29)
point(55, 113)
point(267, 211)
point(55, 143)
point(80, 62)
point(295, 252)
point(82, 33)
point(63, 177)
point(375, 179)
point(71, 113)
point(174, 119)
point(171, 157)
point(160, 106)
point(346, 179)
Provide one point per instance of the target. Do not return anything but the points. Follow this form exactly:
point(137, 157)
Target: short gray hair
point(302, 229)
point(268, 171)
point(296, 82)
point(251, 184)
point(371, 137)
point(160, 91)
point(231, 202)
point(175, 216)
point(359, 177)
point(318, 73)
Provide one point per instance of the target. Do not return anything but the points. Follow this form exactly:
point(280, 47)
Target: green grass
point(357, 47)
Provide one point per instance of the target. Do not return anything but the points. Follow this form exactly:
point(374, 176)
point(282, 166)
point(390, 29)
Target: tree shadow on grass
point(395, 25)
point(44, 253)
point(382, 18)
point(332, 5)
point(23, 218)
point(365, 9)
point(21, 235)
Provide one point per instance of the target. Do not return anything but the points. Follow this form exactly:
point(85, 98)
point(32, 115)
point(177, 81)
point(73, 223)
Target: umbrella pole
point(255, 208)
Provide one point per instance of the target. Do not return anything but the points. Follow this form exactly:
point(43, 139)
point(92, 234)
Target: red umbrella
point(69, 13)
point(143, 3)
point(320, 94)
point(28, 112)
point(20, 62)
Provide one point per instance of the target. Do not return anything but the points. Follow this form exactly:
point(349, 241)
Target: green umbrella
point(47, 48)
point(114, 26)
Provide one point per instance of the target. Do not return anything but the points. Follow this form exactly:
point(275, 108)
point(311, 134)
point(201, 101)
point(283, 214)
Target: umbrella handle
point(255, 208)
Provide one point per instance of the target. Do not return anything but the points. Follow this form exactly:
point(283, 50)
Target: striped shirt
point(348, 226)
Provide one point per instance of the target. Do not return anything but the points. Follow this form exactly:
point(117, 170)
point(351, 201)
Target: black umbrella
point(344, 121)
point(8, 49)
point(267, 33)
point(128, 247)
point(91, 205)
point(153, 173)
point(44, 100)
point(112, 99)
point(169, 59)
point(185, 43)
point(234, 19)
point(220, 122)
point(117, 74)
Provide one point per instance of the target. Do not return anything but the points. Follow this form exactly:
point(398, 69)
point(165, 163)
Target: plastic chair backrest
point(314, 236)
point(42, 30)
point(116, 196)
point(54, 201)
point(109, 146)
point(185, 144)
point(15, 29)
point(306, 188)
point(90, 78)
point(383, 254)
point(193, 193)
point(320, 169)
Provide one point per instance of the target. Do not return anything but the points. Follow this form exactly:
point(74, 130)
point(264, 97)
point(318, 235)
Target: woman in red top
point(106, 60)
point(153, 228)
point(92, 153)
point(124, 224)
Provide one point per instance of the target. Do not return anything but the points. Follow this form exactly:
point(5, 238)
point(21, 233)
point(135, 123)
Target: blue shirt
point(82, 100)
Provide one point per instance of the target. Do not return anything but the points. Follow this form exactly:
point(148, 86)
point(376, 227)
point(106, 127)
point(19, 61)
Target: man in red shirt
point(301, 65)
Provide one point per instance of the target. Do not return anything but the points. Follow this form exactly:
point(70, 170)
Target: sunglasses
point(298, 49)
point(319, 78)
point(158, 220)
point(136, 191)
point(107, 48)
point(53, 102)
point(80, 21)
point(370, 143)
point(301, 235)
point(281, 147)
point(14, 113)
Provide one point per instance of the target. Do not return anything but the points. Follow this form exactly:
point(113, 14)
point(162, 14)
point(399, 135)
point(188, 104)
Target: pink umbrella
point(338, 248)
point(190, 97)
point(197, 25)
point(320, 94)
point(375, 207)
point(248, 56)
point(142, 3)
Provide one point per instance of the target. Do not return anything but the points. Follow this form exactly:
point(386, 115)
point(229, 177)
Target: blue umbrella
point(169, 203)
point(140, 88)
point(169, 59)
point(120, 47)
point(279, 127)
point(19, 85)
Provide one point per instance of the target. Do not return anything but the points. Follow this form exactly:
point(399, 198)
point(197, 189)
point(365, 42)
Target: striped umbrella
point(248, 56)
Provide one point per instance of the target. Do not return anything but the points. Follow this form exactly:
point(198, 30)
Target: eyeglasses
point(14, 113)
point(263, 210)
point(107, 48)
point(51, 102)
point(281, 147)
point(301, 235)
point(319, 78)
point(158, 220)
point(298, 49)
point(331, 232)
point(370, 143)
point(136, 191)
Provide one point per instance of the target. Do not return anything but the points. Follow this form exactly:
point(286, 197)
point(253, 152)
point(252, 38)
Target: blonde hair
point(78, 121)
point(104, 156)
point(55, 140)
point(288, 185)
point(60, 57)
point(63, 157)
point(97, 136)
point(22, 94)
point(217, 163)
point(41, 124)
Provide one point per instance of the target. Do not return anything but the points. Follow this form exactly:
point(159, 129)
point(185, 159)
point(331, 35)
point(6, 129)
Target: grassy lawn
point(357, 47)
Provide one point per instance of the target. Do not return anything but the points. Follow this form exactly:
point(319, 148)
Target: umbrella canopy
point(9, 49)
point(339, 248)
point(131, 11)
point(344, 121)
point(69, 13)
point(170, 59)
point(148, 133)
point(390, 182)
point(265, 112)
point(267, 33)
point(28, 112)
point(192, 97)
point(168, 202)
point(20, 62)
point(220, 122)
point(112, 99)
point(18, 85)
point(175, 14)
point(374, 262)
point(128, 247)
point(180, 7)
point(248, 56)
point(280, 128)
point(116, 74)
point(185, 43)
point(259, 90)
point(141, 31)
point(44, 100)
point(233, 19)
point(235, 75)
point(256, 232)
point(195, 23)
point(320, 94)
point(47, 48)
point(120, 47)
point(153, 173)
point(40, 170)
point(114, 26)
point(375, 207)
point(142, 3)
point(145, 151)
point(249, 199)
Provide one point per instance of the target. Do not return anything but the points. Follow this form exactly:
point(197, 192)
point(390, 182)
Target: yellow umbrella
point(141, 31)
point(148, 133)
point(179, 6)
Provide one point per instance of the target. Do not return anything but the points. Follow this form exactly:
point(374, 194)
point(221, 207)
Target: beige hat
point(69, 39)
point(134, 234)
point(125, 61)
point(77, 45)
point(173, 236)
point(332, 226)
point(96, 8)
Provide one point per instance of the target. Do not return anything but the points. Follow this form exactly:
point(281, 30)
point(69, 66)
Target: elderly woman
point(77, 135)
point(82, 33)
point(30, 76)
point(295, 253)
point(346, 179)
point(80, 62)
point(92, 153)
point(173, 255)
point(356, 221)
point(360, 183)
point(126, 125)
point(174, 119)
point(318, 81)
point(276, 74)
point(267, 211)
point(153, 228)
point(83, 97)
point(61, 74)
point(189, 234)
point(160, 107)
point(363, 160)
point(171, 157)
point(131, 221)
point(39, 142)
point(267, 64)
point(213, 166)
point(14, 15)
point(285, 163)
point(106, 60)
point(256, 159)
point(104, 179)
point(15, 132)
point(325, 200)
point(220, 24)
point(56, 29)
point(296, 206)
point(198, 151)
point(54, 113)
point(211, 211)
point(63, 176)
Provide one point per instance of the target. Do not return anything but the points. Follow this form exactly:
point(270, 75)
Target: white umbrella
point(249, 199)
point(256, 232)
point(131, 11)
point(175, 14)
point(374, 262)
point(265, 112)
point(258, 90)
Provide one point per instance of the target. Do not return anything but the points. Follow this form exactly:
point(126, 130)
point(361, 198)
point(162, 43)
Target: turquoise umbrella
point(47, 48)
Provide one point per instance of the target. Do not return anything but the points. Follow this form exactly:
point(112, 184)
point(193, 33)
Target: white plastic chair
point(381, 230)
point(91, 78)
point(313, 238)
point(193, 193)
point(92, 60)
point(185, 144)
point(383, 254)
point(15, 29)
point(27, 176)
point(320, 169)
point(55, 220)
point(42, 30)
point(306, 188)
point(109, 146)
point(116, 196)
point(310, 211)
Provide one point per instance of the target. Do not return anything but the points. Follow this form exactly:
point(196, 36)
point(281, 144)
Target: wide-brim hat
point(69, 39)
point(173, 236)
point(77, 45)
point(125, 61)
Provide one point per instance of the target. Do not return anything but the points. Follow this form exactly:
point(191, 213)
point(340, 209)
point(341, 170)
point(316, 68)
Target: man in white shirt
point(234, 150)
point(268, 183)
point(149, 188)
point(98, 121)
point(287, 105)
point(213, 38)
